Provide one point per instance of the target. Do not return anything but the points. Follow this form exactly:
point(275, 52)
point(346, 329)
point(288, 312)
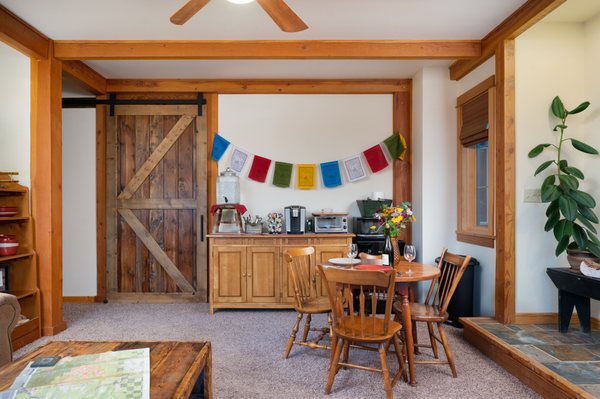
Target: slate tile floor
point(574, 355)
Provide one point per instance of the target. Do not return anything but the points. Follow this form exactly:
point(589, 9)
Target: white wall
point(306, 129)
point(549, 62)
point(79, 202)
point(15, 113)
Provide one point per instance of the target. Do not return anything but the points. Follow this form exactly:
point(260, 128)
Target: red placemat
point(372, 267)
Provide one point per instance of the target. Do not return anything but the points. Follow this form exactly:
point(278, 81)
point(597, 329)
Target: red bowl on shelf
point(9, 245)
point(7, 211)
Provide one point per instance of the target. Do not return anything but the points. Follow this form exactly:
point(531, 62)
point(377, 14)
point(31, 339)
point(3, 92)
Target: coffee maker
point(295, 219)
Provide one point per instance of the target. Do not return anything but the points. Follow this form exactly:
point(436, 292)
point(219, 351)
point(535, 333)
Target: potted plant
point(570, 213)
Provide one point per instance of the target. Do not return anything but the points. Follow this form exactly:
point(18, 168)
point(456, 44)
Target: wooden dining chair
point(354, 326)
point(434, 310)
point(306, 302)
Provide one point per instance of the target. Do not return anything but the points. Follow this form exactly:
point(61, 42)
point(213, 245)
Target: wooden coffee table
point(175, 367)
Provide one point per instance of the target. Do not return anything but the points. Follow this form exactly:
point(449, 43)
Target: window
point(476, 165)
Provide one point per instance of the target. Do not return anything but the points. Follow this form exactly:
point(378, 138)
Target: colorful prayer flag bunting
point(393, 145)
point(330, 171)
point(282, 175)
point(354, 168)
point(259, 169)
point(404, 148)
point(220, 144)
point(239, 158)
point(307, 176)
point(375, 158)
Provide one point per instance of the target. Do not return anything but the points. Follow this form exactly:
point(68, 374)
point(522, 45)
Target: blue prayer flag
point(331, 174)
point(219, 146)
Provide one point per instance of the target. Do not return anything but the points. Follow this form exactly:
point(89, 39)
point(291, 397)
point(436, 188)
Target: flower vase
point(397, 254)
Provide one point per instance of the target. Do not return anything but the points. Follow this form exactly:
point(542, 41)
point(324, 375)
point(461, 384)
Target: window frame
point(467, 229)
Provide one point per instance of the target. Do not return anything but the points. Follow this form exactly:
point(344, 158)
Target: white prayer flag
point(354, 168)
point(239, 158)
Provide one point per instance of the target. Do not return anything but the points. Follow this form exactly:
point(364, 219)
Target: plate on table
point(344, 261)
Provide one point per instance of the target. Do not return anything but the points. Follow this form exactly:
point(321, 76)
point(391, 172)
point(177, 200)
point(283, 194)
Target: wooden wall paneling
point(142, 136)
point(171, 224)
point(46, 183)
point(112, 227)
point(202, 206)
point(23, 37)
point(505, 182)
point(212, 126)
point(402, 174)
point(518, 22)
point(186, 188)
point(254, 86)
point(265, 49)
point(156, 217)
point(91, 79)
point(101, 202)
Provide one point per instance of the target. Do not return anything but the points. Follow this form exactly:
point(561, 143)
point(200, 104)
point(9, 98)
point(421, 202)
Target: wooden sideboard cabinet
point(248, 271)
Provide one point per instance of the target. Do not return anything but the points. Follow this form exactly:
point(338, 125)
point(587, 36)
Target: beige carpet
point(248, 354)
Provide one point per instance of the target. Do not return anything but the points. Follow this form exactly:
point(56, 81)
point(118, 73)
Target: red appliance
point(8, 245)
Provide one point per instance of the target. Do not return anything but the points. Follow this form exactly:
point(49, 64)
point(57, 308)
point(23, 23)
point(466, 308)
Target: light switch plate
point(533, 195)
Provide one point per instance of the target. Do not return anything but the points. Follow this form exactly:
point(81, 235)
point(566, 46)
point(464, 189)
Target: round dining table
point(404, 279)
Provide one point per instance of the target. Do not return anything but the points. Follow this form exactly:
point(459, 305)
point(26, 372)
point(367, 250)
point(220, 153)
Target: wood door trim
point(144, 171)
point(101, 202)
point(202, 285)
point(144, 235)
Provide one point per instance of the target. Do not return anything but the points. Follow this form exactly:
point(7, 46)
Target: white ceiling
point(221, 20)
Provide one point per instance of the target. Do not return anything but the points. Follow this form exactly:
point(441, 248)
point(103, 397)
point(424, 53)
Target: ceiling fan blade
point(188, 10)
point(283, 15)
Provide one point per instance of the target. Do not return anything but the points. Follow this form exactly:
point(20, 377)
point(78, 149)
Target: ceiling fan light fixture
point(240, 1)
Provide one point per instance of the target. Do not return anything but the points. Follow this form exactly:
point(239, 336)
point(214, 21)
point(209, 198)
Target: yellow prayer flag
point(403, 146)
point(307, 176)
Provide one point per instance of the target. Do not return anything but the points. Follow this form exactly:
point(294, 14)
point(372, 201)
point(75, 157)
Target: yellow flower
point(397, 219)
point(414, 218)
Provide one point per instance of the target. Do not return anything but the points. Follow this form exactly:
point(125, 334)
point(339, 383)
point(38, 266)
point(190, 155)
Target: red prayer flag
point(375, 158)
point(259, 169)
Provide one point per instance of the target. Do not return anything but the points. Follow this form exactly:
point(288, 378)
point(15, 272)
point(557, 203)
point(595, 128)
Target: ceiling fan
point(278, 10)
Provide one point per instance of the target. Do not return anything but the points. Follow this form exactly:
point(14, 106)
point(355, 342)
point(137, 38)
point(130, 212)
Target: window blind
point(475, 121)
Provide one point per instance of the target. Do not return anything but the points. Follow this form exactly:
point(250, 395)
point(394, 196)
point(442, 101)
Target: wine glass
point(410, 253)
point(352, 252)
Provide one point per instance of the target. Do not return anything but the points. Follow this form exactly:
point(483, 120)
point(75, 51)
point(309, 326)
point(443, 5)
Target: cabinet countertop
point(266, 235)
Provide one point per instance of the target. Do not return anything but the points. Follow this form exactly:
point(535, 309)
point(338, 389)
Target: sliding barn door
point(156, 200)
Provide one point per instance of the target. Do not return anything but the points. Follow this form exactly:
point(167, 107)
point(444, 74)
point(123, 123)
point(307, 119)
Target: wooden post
point(46, 186)
point(402, 177)
point(212, 121)
point(101, 201)
point(505, 182)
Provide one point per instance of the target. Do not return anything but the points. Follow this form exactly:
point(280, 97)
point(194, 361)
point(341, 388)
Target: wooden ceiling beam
point(266, 49)
point(351, 86)
point(20, 35)
point(518, 22)
point(91, 79)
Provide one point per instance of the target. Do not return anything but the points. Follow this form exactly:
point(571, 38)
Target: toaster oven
point(330, 222)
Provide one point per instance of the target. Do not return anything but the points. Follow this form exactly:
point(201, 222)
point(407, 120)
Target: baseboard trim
point(549, 318)
point(530, 372)
point(79, 299)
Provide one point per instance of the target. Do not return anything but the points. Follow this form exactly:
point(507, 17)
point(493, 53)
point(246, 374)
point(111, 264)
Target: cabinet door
point(287, 286)
point(229, 268)
point(324, 253)
point(263, 279)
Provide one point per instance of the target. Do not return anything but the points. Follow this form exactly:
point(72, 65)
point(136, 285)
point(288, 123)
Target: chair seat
point(374, 331)
point(422, 312)
point(315, 305)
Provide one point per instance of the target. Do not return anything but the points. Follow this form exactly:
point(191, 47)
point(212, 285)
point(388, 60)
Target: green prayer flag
point(394, 145)
point(282, 176)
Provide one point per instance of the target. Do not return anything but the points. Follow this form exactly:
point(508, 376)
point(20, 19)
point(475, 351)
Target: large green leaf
point(583, 199)
point(579, 235)
point(588, 214)
point(552, 208)
point(563, 164)
point(587, 224)
point(537, 150)
point(568, 207)
point(569, 182)
point(542, 167)
point(562, 245)
point(573, 171)
point(583, 147)
point(548, 181)
point(560, 126)
point(581, 107)
point(550, 193)
point(551, 222)
point(562, 229)
point(558, 109)
point(594, 248)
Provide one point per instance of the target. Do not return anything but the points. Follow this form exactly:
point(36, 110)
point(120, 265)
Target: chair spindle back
point(299, 263)
point(343, 285)
point(452, 268)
